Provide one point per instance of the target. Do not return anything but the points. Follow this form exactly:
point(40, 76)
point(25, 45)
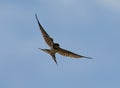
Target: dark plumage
point(55, 47)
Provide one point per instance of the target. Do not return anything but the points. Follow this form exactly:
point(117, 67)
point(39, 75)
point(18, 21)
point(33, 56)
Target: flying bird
point(55, 47)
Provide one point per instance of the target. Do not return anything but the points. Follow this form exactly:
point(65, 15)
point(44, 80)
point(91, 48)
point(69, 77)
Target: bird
point(55, 47)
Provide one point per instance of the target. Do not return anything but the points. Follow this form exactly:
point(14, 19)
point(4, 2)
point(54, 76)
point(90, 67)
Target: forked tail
point(45, 50)
point(48, 51)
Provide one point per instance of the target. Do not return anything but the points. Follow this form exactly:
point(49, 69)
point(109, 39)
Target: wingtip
point(36, 16)
point(88, 57)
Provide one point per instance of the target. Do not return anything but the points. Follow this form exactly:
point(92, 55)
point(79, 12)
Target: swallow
point(55, 47)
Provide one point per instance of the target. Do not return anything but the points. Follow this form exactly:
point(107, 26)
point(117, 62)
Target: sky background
point(86, 27)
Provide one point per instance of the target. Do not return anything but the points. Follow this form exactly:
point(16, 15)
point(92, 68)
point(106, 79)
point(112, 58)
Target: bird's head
point(56, 46)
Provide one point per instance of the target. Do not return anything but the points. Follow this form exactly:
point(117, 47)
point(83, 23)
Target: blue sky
point(87, 27)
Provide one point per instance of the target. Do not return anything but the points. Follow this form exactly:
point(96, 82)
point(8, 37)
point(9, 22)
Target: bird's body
point(55, 47)
point(50, 51)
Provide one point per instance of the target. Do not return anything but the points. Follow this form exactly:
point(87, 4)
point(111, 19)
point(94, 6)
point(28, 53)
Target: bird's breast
point(53, 51)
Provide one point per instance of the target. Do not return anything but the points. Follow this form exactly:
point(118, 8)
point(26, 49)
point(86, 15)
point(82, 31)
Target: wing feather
point(70, 54)
point(46, 37)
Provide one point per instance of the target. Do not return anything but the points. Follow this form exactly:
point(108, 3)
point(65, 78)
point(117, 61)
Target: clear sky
point(86, 27)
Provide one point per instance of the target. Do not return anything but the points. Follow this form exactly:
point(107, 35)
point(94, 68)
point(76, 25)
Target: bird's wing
point(46, 37)
point(70, 54)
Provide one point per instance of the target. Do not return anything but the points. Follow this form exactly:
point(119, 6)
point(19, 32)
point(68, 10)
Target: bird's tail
point(45, 50)
point(48, 51)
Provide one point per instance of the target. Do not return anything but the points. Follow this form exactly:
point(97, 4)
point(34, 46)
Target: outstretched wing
point(70, 54)
point(46, 37)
